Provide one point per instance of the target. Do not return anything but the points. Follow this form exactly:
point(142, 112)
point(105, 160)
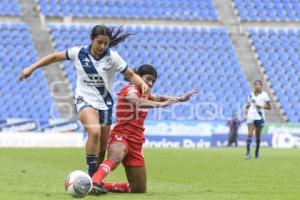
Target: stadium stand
point(9, 8)
point(257, 10)
point(278, 51)
point(185, 57)
point(29, 99)
point(131, 9)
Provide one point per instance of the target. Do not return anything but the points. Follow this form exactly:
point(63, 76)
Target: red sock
point(104, 169)
point(117, 187)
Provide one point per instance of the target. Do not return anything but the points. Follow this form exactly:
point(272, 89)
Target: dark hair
point(116, 34)
point(258, 81)
point(146, 69)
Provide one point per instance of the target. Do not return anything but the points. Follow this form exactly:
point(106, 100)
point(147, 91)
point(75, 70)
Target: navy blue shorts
point(257, 123)
point(105, 116)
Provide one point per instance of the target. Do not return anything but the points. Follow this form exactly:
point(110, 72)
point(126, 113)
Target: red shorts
point(134, 157)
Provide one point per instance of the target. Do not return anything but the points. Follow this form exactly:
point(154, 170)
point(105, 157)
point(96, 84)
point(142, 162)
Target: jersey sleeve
point(119, 63)
point(72, 53)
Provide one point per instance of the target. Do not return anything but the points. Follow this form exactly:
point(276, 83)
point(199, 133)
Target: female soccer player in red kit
point(127, 137)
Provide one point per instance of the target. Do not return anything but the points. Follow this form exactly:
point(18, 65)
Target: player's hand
point(25, 74)
point(145, 89)
point(168, 102)
point(188, 95)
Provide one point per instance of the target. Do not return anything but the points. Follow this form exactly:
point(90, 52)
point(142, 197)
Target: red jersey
point(130, 119)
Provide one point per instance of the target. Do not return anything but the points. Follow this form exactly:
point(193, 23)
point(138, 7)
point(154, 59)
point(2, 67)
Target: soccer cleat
point(98, 190)
point(248, 156)
point(104, 190)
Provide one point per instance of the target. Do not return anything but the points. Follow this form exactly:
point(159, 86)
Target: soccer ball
point(78, 183)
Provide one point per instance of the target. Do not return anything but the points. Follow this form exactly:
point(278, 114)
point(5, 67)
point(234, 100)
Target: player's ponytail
point(116, 34)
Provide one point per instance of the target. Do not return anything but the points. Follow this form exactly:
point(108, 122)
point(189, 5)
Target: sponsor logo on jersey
point(95, 80)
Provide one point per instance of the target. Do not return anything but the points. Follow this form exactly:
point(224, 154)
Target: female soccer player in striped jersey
point(127, 137)
point(257, 102)
point(96, 66)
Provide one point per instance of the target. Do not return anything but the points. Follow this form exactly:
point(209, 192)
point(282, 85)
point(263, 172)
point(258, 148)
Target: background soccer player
point(234, 123)
point(127, 137)
point(256, 103)
point(95, 66)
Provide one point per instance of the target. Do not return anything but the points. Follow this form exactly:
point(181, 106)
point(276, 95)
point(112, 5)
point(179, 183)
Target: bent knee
point(117, 152)
point(117, 157)
point(94, 134)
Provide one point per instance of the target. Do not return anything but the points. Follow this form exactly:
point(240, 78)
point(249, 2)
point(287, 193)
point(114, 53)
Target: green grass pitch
point(175, 174)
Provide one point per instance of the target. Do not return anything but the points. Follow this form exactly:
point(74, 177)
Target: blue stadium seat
point(143, 9)
point(9, 8)
point(19, 53)
point(257, 10)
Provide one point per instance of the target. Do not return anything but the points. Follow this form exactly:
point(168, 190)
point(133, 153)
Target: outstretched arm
point(144, 103)
point(136, 80)
point(47, 60)
point(182, 98)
